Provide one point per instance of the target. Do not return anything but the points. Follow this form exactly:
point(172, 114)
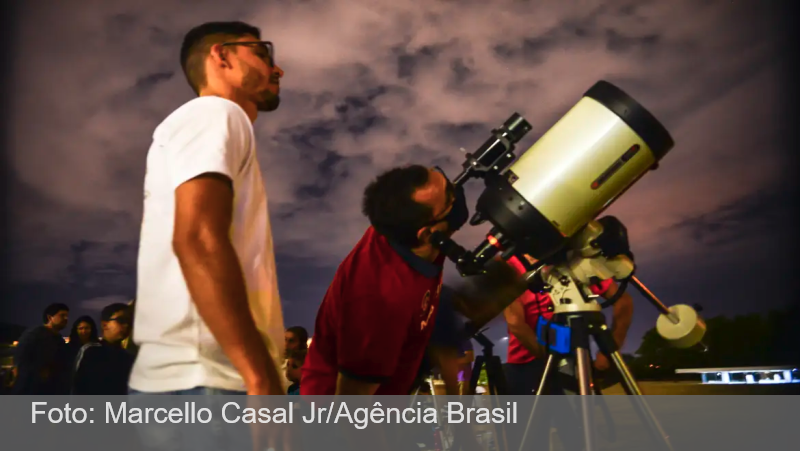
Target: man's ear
point(424, 235)
point(219, 54)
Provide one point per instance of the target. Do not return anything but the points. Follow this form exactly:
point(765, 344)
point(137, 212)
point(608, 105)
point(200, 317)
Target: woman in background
point(84, 331)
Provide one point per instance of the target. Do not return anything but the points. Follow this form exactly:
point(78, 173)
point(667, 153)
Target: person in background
point(84, 331)
point(445, 356)
point(450, 355)
point(295, 338)
point(128, 343)
point(40, 356)
point(102, 368)
point(465, 361)
point(294, 364)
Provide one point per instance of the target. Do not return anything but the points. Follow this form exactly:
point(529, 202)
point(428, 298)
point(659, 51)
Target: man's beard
point(267, 101)
point(264, 100)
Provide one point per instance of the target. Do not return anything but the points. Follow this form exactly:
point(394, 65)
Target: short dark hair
point(198, 41)
point(302, 334)
point(52, 310)
point(389, 205)
point(110, 310)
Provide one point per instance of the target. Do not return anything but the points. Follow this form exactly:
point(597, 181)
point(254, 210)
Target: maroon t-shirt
point(376, 319)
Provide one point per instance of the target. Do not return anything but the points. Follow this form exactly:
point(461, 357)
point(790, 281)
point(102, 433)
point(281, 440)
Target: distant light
point(15, 343)
point(504, 339)
point(308, 343)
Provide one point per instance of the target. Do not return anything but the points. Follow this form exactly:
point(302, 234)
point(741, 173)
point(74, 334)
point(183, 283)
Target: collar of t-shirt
point(417, 263)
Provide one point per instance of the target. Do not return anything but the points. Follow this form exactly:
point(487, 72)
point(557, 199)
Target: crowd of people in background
point(98, 361)
point(89, 361)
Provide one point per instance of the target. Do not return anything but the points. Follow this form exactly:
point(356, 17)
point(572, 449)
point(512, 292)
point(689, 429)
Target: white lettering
point(346, 414)
point(376, 413)
point(451, 412)
point(50, 415)
point(364, 420)
point(68, 414)
point(207, 413)
point(37, 412)
point(225, 417)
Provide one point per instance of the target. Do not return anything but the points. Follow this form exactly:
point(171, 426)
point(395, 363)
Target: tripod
point(493, 365)
point(494, 374)
point(567, 335)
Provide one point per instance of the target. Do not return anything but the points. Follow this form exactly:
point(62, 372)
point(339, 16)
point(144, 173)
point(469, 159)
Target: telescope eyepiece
point(517, 127)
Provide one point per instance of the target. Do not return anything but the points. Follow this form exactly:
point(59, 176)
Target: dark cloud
point(150, 80)
point(762, 212)
point(372, 84)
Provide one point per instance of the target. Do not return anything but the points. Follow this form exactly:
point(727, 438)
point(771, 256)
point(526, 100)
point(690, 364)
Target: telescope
point(545, 210)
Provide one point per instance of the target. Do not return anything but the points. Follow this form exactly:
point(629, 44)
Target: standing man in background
point(40, 357)
point(102, 368)
point(208, 312)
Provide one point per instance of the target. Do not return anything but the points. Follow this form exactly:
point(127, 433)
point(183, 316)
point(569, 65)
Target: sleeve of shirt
point(601, 288)
point(371, 332)
point(212, 138)
point(449, 327)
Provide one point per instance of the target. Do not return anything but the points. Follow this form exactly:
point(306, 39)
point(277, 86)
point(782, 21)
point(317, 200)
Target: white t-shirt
point(176, 349)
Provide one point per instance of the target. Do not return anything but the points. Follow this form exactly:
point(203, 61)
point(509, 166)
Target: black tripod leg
point(497, 387)
point(476, 373)
point(497, 376)
point(607, 345)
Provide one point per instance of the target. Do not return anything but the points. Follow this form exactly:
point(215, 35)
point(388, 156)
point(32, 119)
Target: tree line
point(758, 339)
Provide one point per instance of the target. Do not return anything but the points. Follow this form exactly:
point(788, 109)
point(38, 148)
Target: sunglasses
point(450, 196)
point(122, 320)
point(264, 49)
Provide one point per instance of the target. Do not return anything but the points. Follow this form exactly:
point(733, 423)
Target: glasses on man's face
point(451, 197)
point(121, 320)
point(263, 49)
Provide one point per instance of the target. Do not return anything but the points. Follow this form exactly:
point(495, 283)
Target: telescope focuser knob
point(547, 288)
point(564, 280)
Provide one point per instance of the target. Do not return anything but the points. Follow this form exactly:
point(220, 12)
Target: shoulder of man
point(202, 112)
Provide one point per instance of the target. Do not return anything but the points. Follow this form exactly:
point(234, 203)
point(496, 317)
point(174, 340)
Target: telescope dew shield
point(604, 144)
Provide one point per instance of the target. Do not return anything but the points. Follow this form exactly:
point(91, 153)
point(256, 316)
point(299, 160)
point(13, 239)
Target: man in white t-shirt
point(208, 313)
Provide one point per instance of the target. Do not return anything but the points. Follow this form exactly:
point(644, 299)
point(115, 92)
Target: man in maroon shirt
point(375, 321)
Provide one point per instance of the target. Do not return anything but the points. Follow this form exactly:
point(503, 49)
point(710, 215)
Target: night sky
point(374, 84)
